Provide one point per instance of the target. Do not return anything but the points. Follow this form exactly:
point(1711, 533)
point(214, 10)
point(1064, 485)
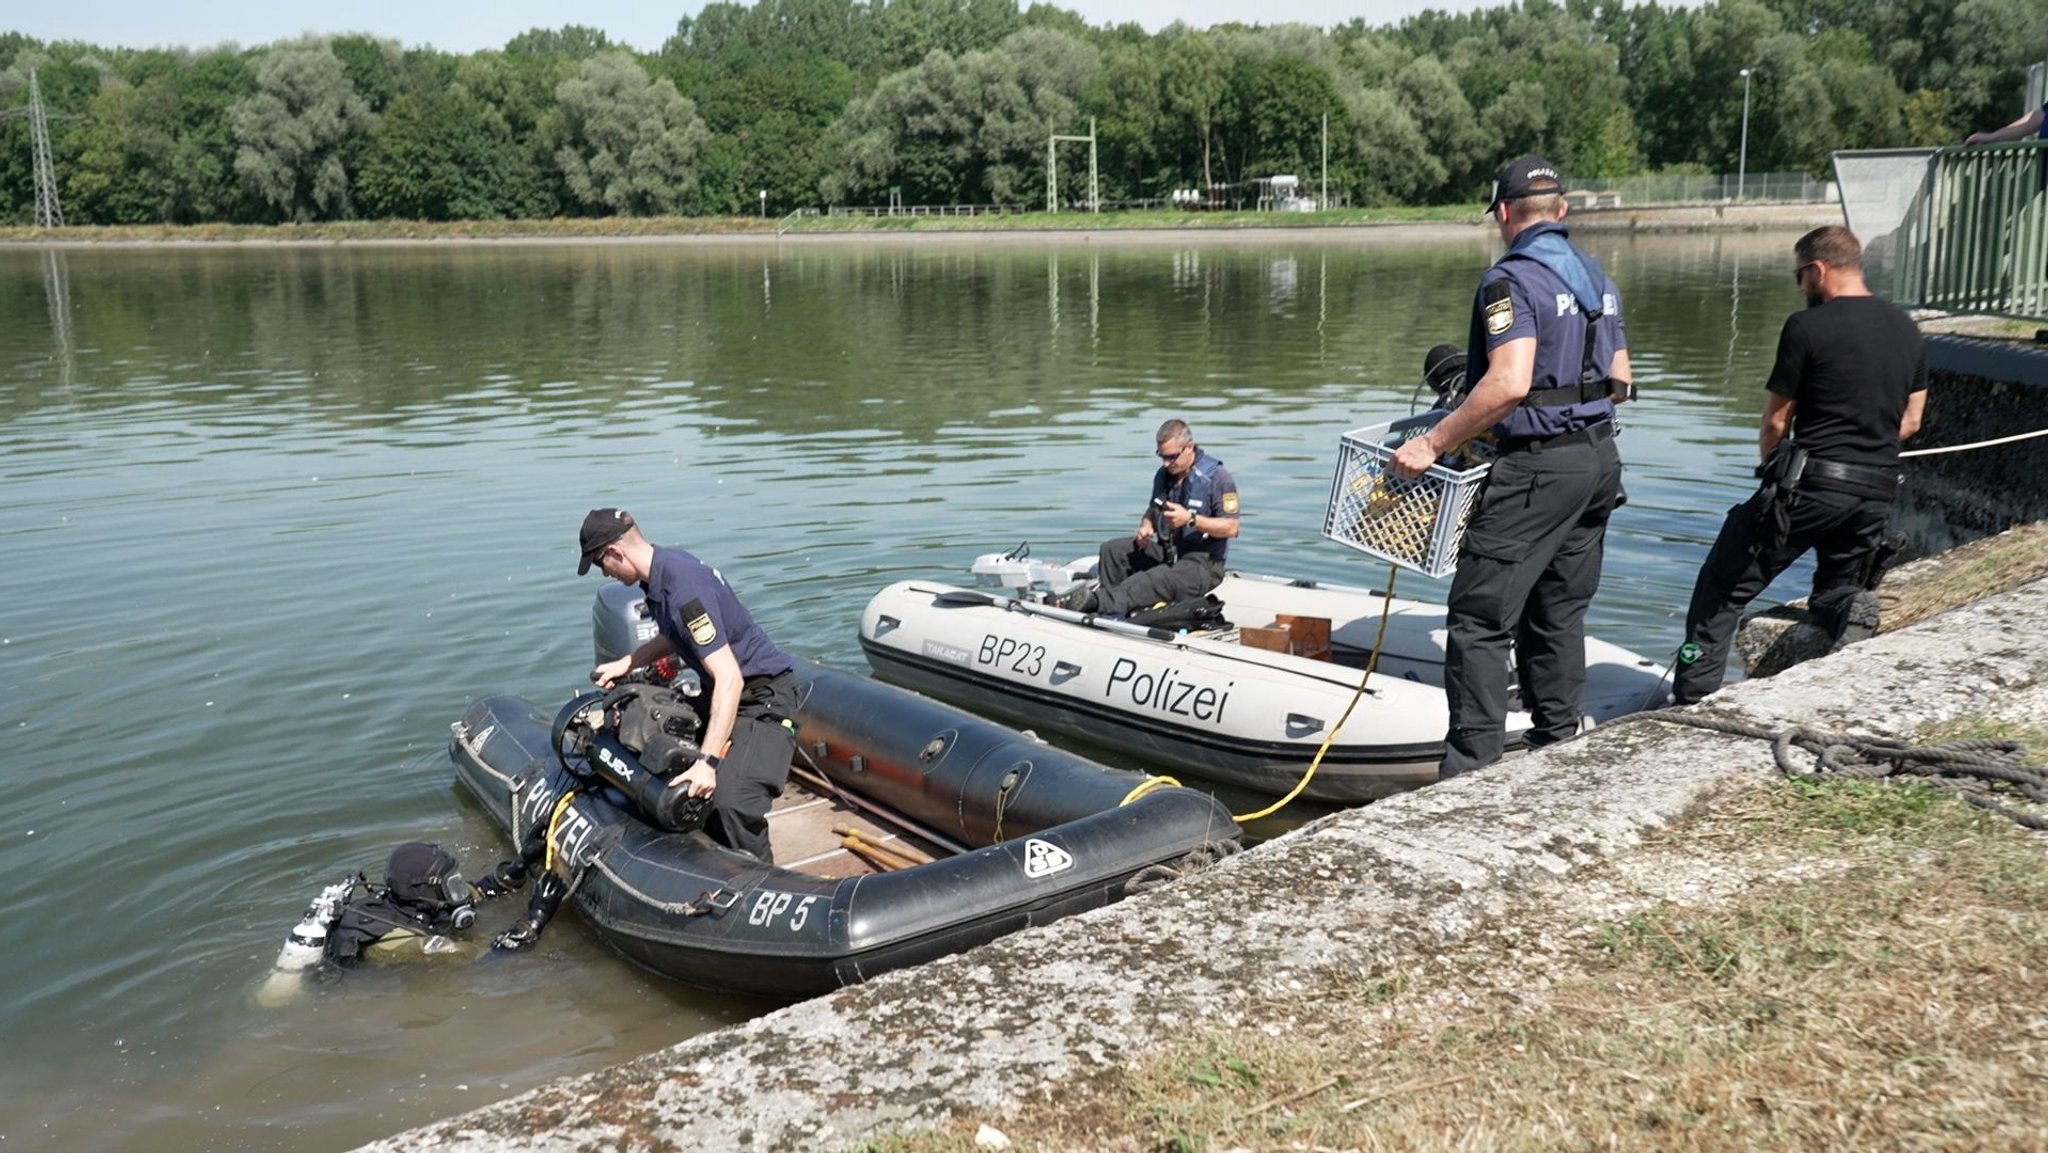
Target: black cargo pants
point(1134, 577)
point(754, 769)
point(1527, 570)
point(1844, 528)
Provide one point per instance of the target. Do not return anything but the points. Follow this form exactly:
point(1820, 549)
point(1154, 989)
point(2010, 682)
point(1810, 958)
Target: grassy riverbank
point(1845, 964)
point(652, 227)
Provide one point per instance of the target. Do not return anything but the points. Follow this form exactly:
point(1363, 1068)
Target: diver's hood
point(422, 876)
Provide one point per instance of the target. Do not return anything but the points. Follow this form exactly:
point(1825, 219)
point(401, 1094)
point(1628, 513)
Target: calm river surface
point(270, 517)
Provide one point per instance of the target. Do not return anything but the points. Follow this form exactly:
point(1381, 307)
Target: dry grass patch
point(1964, 574)
point(1810, 965)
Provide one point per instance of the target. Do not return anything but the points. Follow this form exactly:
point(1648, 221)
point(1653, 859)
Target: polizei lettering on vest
point(1166, 692)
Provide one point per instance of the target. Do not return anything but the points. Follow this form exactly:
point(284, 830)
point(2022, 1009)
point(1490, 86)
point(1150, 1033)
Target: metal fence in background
point(1704, 188)
point(1958, 229)
point(884, 210)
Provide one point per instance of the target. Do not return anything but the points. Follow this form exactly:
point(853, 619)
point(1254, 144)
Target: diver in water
point(420, 911)
point(423, 902)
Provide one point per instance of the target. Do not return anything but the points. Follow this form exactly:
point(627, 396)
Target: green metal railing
point(1970, 229)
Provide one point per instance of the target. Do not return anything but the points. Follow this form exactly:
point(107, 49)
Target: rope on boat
point(1148, 785)
point(1371, 661)
point(554, 822)
point(1974, 770)
point(1200, 857)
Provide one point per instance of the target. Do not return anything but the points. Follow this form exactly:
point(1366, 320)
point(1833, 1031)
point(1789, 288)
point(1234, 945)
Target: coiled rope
point(1200, 857)
point(1974, 770)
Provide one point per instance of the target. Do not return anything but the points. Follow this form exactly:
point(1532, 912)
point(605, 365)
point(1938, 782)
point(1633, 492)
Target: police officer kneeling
point(1550, 359)
point(1849, 385)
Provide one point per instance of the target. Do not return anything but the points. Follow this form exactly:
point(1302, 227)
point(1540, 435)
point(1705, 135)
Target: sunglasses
point(1173, 455)
point(1800, 271)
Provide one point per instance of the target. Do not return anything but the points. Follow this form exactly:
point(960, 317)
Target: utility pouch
point(1770, 513)
point(1785, 467)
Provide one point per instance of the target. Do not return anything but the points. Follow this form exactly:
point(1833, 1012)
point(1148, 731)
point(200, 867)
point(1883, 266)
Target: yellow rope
point(554, 820)
point(1371, 661)
point(1148, 785)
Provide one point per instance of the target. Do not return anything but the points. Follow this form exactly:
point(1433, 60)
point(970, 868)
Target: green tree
point(292, 129)
point(1195, 81)
point(442, 154)
point(630, 143)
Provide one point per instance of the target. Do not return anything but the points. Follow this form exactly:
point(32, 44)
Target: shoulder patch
point(1499, 306)
point(1229, 504)
point(699, 625)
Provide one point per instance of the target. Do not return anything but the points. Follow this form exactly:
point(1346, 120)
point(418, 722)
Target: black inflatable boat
point(909, 830)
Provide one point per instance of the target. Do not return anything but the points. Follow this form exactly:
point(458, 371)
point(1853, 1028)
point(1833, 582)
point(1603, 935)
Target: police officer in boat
point(1548, 360)
point(749, 729)
point(1178, 548)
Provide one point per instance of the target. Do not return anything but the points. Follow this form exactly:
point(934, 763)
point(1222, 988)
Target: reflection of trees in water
point(908, 338)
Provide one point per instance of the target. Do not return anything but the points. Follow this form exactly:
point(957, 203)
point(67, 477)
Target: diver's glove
point(521, 936)
point(506, 878)
point(548, 892)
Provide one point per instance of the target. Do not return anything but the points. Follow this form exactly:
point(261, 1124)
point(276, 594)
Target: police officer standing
point(1849, 384)
point(748, 734)
point(1550, 359)
point(1182, 537)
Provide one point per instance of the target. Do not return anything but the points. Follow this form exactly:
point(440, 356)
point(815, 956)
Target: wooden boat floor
point(800, 828)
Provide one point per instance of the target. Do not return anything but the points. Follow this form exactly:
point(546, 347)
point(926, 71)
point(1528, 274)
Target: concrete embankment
point(1351, 896)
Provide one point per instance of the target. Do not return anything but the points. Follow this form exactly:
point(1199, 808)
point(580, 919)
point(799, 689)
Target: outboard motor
point(1017, 572)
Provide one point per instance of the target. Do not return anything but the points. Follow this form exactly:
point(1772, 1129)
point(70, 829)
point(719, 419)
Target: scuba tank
point(306, 944)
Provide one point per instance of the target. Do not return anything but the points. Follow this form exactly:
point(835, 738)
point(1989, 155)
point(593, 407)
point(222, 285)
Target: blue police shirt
point(1207, 489)
point(1524, 295)
point(697, 611)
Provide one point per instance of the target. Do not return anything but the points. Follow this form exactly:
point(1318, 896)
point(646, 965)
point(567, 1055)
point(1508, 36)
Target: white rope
point(1979, 444)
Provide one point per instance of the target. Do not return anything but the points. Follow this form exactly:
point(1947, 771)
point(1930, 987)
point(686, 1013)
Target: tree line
point(816, 102)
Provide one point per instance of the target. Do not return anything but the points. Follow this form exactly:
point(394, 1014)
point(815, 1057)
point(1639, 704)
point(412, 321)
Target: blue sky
point(469, 25)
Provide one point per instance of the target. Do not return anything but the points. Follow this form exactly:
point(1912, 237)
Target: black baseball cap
point(600, 528)
point(1529, 175)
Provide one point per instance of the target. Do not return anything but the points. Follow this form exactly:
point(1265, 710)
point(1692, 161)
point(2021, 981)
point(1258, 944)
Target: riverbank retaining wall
point(1344, 899)
point(1978, 390)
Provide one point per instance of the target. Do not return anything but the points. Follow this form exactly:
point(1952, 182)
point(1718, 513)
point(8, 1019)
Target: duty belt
point(1856, 479)
point(1592, 432)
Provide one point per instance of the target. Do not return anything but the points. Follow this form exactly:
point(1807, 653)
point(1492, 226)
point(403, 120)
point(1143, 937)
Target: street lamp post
point(1742, 162)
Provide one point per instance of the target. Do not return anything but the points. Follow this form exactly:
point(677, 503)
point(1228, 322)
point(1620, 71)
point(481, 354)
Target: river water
point(270, 517)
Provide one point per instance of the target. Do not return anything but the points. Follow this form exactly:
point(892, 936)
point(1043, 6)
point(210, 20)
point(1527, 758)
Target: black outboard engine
point(636, 738)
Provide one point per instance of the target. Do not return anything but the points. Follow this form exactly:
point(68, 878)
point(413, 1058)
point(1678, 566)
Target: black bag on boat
point(1202, 612)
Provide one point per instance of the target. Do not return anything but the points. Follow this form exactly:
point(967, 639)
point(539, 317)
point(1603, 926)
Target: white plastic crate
point(1417, 523)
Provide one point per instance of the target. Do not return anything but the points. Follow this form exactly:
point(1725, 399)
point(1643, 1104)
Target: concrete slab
point(1337, 901)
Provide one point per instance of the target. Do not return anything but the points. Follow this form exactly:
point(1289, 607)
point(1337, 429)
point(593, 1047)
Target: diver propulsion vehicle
point(909, 830)
point(1202, 696)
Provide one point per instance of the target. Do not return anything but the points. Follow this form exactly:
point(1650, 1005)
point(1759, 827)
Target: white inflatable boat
point(1247, 700)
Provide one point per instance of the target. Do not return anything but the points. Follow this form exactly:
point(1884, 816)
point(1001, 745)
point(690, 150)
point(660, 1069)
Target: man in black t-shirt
point(1849, 385)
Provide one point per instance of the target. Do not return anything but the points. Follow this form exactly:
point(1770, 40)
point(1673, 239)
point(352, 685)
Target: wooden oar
point(894, 848)
point(853, 839)
point(866, 852)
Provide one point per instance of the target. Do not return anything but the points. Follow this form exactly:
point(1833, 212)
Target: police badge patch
point(1230, 504)
point(702, 632)
point(1499, 307)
